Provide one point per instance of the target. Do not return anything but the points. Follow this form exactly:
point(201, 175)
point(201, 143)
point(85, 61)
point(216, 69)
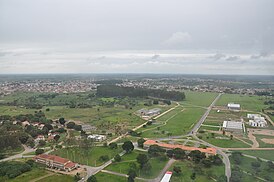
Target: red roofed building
point(53, 161)
point(211, 151)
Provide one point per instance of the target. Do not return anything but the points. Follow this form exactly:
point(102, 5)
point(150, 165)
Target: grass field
point(252, 103)
point(222, 141)
point(187, 168)
point(178, 125)
point(28, 176)
point(91, 157)
point(246, 166)
point(268, 155)
point(203, 99)
point(123, 166)
point(263, 144)
point(105, 177)
point(57, 178)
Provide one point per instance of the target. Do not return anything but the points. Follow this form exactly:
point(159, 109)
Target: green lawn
point(187, 168)
point(262, 171)
point(105, 177)
point(223, 141)
point(178, 125)
point(260, 153)
point(253, 103)
point(57, 178)
point(263, 144)
point(199, 98)
point(26, 177)
point(123, 166)
point(90, 157)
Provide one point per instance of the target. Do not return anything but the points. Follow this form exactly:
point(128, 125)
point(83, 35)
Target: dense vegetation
point(13, 169)
point(118, 91)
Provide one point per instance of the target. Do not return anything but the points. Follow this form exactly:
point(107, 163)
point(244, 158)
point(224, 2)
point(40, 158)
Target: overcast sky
point(137, 36)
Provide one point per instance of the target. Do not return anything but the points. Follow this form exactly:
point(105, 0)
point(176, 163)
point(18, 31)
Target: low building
point(211, 151)
point(233, 126)
point(149, 112)
point(233, 106)
point(256, 120)
point(55, 162)
point(97, 138)
point(88, 128)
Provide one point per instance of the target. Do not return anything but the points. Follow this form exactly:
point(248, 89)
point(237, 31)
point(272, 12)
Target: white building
point(233, 106)
point(233, 126)
point(150, 112)
point(256, 120)
point(97, 138)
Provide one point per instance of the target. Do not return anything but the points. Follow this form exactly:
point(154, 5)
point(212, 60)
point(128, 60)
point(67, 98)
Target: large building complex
point(256, 120)
point(55, 162)
point(233, 126)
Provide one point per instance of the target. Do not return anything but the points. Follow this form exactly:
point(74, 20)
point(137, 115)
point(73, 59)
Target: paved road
point(200, 122)
point(17, 156)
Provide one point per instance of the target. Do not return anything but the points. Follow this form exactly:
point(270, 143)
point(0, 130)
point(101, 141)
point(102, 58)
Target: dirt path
point(123, 175)
point(42, 177)
point(253, 139)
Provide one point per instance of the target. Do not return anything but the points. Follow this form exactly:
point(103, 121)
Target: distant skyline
point(137, 36)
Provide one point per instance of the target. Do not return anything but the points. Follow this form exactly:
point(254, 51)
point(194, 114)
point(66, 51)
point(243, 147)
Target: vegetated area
point(110, 177)
point(92, 156)
point(248, 102)
point(191, 171)
point(264, 154)
point(202, 99)
point(248, 169)
point(27, 170)
point(129, 160)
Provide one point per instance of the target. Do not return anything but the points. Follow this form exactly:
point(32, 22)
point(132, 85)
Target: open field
point(122, 167)
point(188, 168)
point(109, 177)
point(222, 140)
point(252, 103)
point(89, 157)
point(260, 153)
point(57, 178)
point(203, 99)
point(261, 171)
point(262, 143)
point(28, 176)
point(180, 124)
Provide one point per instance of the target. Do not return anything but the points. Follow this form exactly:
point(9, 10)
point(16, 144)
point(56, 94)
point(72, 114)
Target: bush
point(39, 151)
point(117, 158)
point(104, 158)
point(113, 145)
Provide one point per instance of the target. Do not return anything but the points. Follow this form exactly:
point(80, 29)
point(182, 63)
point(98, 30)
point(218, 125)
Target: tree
point(142, 159)
point(128, 146)
point(23, 138)
point(78, 127)
point(193, 176)
point(197, 155)
point(56, 137)
point(169, 153)
point(206, 163)
point(141, 142)
point(131, 175)
point(42, 143)
point(77, 177)
point(237, 157)
point(222, 178)
point(177, 169)
point(179, 153)
point(62, 121)
point(155, 150)
point(39, 151)
point(231, 137)
point(256, 165)
point(113, 145)
point(71, 125)
point(104, 158)
point(92, 178)
point(117, 158)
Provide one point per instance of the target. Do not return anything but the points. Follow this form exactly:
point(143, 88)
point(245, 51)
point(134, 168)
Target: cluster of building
point(147, 113)
point(256, 120)
point(55, 162)
point(72, 86)
point(97, 138)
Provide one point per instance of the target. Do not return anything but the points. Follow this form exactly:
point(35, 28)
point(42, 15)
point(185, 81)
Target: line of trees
point(118, 91)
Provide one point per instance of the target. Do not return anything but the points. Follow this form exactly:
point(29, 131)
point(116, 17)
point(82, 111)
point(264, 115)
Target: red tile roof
point(70, 165)
point(54, 158)
point(173, 146)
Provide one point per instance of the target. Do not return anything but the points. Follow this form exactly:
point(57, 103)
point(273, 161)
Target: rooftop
point(233, 124)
